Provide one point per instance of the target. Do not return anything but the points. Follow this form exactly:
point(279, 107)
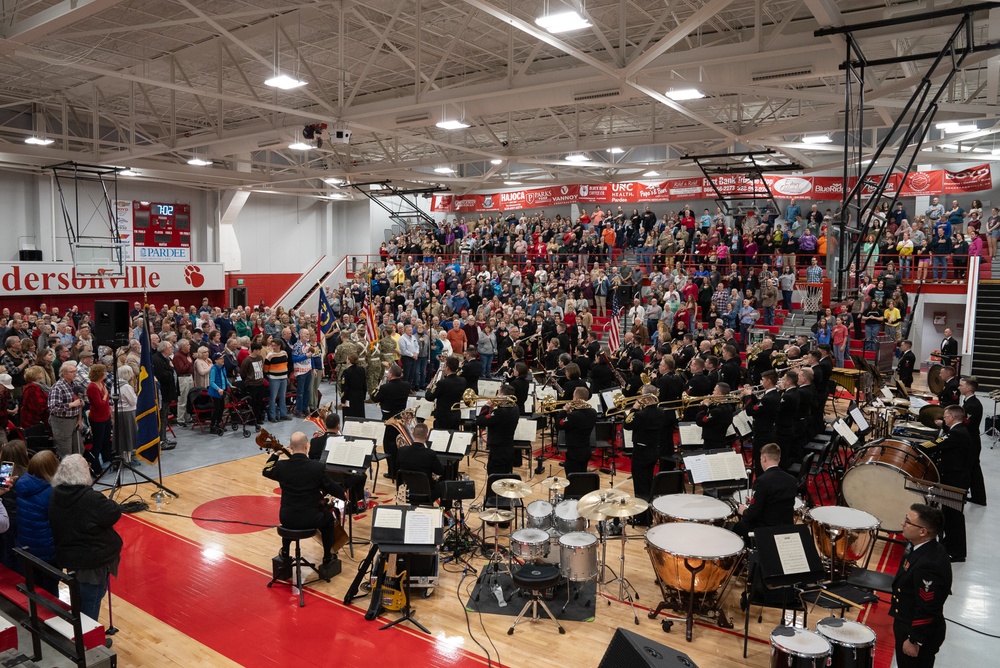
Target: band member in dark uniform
point(764, 411)
point(601, 375)
point(521, 386)
point(317, 444)
point(355, 388)
point(712, 370)
point(686, 352)
point(500, 423)
point(646, 424)
point(698, 386)
point(952, 452)
point(552, 352)
point(787, 424)
point(773, 500)
point(671, 388)
point(715, 418)
point(472, 370)
point(907, 363)
point(949, 347)
point(446, 394)
point(633, 381)
point(418, 457)
point(808, 407)
point(949, 394)
point(572, 381)
point(731, 371)
point(583, 361)
point(919, 590)
point(973, 419)
point(304, 483)
point(391, 397)
point(821, 383)
point(578, 424)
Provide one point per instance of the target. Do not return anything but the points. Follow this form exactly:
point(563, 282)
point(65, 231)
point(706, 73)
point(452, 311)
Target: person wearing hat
point(6, 411)
point(218, 383)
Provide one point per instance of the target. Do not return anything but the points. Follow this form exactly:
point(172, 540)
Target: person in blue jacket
point(34, 533)
point(218, 383)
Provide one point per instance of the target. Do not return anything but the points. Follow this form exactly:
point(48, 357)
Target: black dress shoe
point(169, 446)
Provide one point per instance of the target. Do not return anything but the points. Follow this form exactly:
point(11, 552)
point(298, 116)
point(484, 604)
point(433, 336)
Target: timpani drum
point(798, 648)
point(539, 514)
point(842, 535)
point(530, 544)
point(852, 643)
point(743, 496)
point(567, 519)
point(578, 556)
point(875, 481)
point(692, 557)
point(690, 508)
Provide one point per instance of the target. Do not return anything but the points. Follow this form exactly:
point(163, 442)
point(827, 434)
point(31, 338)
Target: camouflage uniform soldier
point(341, 355)
point(383, 355)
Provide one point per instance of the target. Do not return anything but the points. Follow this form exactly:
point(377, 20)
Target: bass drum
point(798, 648)
point(853, 644)
point(674, 544)
point(876, 477)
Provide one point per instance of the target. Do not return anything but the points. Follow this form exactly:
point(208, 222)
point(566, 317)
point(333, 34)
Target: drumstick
point(827, 592)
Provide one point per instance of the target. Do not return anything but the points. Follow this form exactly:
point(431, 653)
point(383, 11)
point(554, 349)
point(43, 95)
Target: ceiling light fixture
point(512, 183)
point(577, 157)
point(128, 171)
point(453, 125)
point(562, 22)
point(615, 149)
point(681, 94)
point(39, 141)
point(284, 82)
point(651, 173)
point(816, 139)
point(444, 170)
point(333, 181)
point(955, 129)
point(945, 124)
point(496, 161)
point(300, 146)
point(199, 162)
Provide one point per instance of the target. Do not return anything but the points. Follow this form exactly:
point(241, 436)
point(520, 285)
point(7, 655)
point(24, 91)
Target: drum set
point(836, 643)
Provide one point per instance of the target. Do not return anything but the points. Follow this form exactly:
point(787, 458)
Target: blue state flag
point(147, 410)
point(326, 318)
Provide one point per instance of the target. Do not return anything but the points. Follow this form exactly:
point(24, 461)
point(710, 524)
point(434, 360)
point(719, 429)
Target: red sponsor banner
point(818, 188)
point(972, 180)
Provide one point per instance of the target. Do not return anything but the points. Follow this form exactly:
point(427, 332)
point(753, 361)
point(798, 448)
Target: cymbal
point(626, 507)
point(496, 515)
point(555, 483)
point(929, 415)
point(591, 506)
point(510, 488)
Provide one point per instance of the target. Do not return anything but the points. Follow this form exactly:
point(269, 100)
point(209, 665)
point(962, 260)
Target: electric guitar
point(387, 591)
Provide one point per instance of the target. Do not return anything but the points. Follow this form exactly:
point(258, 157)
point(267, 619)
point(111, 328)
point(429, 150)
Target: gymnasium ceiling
point(149, 84)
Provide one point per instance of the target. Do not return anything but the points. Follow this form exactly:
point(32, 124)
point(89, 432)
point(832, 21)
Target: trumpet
point(549, 406)
point(470, 399)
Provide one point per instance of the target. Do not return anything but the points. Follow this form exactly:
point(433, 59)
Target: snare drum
point(853, 644)
point(690, 508)
point(674, 544)
point(843, 535)
point(798, 648)
point(539, 514)
point(566, 518)
point(876, 477)
point(578, 556)
point(743, 496)
point(530, 544)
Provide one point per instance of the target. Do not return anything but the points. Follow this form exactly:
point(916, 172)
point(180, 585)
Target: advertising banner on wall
point(124, 214)
point(830, 188)
point(44, 278)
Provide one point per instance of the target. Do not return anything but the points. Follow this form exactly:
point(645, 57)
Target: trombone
point(549, 406)
point(624, 404)
point(470, 399)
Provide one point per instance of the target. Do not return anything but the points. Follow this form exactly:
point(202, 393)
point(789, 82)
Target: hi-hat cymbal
point(591, 506)
point(496, 515)
point(510, 488)
point(626, 507)
point(555, 483)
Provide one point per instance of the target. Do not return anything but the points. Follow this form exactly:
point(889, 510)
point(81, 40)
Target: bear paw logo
point(193, 276)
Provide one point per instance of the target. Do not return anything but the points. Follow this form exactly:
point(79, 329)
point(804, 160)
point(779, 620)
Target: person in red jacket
point(100, 414)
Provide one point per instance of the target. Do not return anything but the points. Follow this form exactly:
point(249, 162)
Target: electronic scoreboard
point(160, 225)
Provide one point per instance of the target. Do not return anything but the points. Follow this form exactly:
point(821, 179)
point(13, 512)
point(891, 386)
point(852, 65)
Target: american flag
point(371, 329)
point(614, 337)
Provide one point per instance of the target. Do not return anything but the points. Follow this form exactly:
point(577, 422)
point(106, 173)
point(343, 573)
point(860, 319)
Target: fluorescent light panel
point(496, 161)
point(300, 146)
point(199, 162)
point(444, 170)
point(616, 150)
point(681, 94)
point(284, 82)
point(562, 22)
point(453, 125)
point(577, 157)
point(955, 129)
point(651, 173)
point(816, 139)
point(512, 183)
point(39, 141)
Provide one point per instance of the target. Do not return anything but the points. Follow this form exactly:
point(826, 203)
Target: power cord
point(965, 626)
point(468, 624)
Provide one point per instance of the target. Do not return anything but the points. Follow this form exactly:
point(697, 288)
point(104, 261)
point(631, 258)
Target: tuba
point(403, 423)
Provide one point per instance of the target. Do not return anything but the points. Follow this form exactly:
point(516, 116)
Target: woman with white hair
point(125, 426)
point(83, 531)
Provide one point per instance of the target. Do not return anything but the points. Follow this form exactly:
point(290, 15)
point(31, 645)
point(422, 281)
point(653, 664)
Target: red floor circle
point(241, 514)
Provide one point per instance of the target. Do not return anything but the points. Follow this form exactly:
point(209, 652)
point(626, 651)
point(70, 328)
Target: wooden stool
point(294, 536)
point(535, 578)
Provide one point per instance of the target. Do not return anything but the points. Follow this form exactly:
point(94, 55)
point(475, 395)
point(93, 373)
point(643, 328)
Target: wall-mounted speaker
point(111, 322)
point(30, 255)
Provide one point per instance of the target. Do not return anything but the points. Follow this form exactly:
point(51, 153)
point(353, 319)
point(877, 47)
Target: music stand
point(347, 474)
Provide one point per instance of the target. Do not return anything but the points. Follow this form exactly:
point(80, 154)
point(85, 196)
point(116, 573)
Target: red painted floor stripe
point(224, 604)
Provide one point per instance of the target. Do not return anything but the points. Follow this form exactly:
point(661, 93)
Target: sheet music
point(525, 430)
point(690, 434)
point(743, 423)
point(731, 431)
point(529, 404)
point(425, 409)
point(489, 388)
point(845, 432)
point(438, 440)
point(542, 391)
point(388, 518)
point(698, 466)
point(727, 466)
point(368, 429)
point(859, 419)
point(608, 397)
point(887, 394)
point(791, 553)
point(916, 403)
point(433, 513)
point(469, 413)
point(627, 442)
point(460, 442)
point(349, 453)
point(595, 402)
point(419, 529)
point(331, 443)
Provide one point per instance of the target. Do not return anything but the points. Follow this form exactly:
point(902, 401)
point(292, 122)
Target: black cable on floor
point(220, 521)
point(965, 626)
point(468, 624)
point(488, 637)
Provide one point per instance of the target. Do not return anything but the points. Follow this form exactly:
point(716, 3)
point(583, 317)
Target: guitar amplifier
point(457, 490)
